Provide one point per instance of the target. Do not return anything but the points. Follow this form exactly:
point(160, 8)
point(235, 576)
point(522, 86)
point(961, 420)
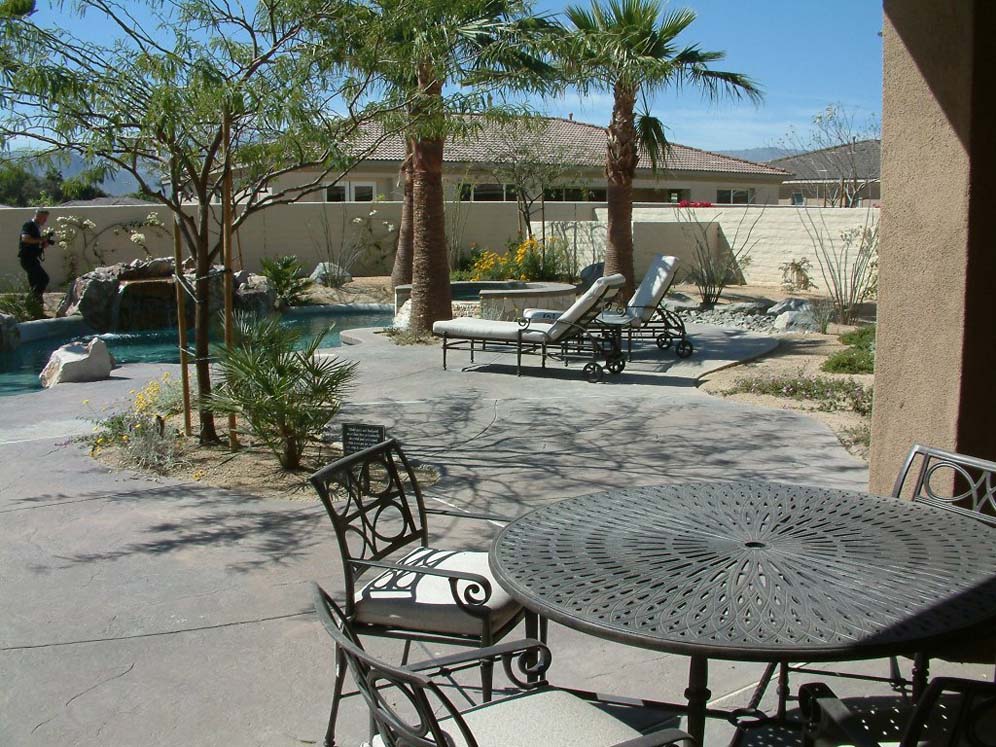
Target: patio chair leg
point(444, 351)
point(406, 652)
point(543, 356)
point(340, 676)
point(471, 351)
point(518, 357)
point(487, 678)
point(896, 676)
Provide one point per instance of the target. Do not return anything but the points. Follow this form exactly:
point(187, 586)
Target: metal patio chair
point(409, 709)
point(953, 712)
point(396, 584)
point(927, 476)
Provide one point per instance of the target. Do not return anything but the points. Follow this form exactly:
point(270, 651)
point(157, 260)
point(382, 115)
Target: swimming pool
point(19, 369)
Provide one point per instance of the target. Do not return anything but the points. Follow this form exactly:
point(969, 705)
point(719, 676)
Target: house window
point(489, 193)
point(798, 198)
point(350, 192)
point(735, 196)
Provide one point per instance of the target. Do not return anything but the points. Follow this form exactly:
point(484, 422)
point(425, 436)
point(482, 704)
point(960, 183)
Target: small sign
point(359, 436)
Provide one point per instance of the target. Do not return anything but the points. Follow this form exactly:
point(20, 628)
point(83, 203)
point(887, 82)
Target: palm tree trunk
point(620, 165)
point(402, 272)
point(431, 300)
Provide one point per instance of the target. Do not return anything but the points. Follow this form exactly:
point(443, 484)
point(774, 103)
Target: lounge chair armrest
point(826, 717)
point(474, 597)
point(469, 515)
point(532, 658)
point(658, 738)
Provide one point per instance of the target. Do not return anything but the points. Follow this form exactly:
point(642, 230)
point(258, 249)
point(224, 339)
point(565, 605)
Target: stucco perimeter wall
point(775, 235)
point(362, 235)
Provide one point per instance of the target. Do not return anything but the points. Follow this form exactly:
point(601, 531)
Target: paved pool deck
point(159, 612)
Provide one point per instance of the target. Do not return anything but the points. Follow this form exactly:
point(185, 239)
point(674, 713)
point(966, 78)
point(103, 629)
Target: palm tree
point(478, 46)
point(628, 47)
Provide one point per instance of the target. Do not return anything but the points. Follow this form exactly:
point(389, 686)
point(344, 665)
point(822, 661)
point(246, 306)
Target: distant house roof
point(861, 160)
point(104, 201)
point(578, 143)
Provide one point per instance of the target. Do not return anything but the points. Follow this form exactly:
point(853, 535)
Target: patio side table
point(751, 571)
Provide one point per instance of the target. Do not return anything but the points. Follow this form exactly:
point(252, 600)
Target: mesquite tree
point(152, 99)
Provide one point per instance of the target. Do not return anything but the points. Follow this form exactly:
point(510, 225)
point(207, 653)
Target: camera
point(50, 238)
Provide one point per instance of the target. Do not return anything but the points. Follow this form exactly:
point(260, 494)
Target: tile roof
point(861, 159)
point(567, 141)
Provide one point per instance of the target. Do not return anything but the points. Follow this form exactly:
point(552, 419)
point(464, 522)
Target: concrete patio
point(157, 612)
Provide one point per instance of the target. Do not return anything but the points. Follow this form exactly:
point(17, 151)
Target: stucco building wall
point(936, 346)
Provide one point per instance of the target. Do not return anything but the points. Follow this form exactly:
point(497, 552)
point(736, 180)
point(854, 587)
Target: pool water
point(19, 369)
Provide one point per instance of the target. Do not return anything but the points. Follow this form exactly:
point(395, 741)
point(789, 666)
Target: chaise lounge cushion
point(466, 327)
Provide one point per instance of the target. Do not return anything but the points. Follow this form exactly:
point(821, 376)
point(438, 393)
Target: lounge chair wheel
point(684, 349)
point(663, 341)
point(616, 365)
point(592, 372)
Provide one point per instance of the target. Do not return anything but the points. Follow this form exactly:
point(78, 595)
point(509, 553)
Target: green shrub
point(283, 274)
point(829, 394)
point(407, 337)
point(859, 358)
point(850, 361)
point(862, 338)
point(17, 300)
point(286, 396)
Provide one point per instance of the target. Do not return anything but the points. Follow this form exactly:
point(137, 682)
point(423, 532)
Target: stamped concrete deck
point(155, 612)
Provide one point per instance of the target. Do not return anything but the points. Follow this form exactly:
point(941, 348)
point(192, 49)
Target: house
point(846, 175)
point(566, 162)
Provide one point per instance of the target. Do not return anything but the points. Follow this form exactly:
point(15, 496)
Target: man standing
point(31, 251)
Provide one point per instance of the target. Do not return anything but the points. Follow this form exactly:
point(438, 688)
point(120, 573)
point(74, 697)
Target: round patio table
point(751, 571)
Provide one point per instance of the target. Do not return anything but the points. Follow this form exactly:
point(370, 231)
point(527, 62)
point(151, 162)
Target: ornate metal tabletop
point(752, 571)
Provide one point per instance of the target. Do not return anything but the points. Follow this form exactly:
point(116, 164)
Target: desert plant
point(286, 396)
point(79, 239)
point(824, 313)
point(828, 394)
point(284, 276)
point(849, 264)
point(141, 431)
point(711, 271)
point(17, 300)
point(795, 274)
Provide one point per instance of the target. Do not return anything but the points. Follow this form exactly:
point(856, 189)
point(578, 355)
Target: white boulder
point(798, 321)
point(331, 274)
point(78, 361)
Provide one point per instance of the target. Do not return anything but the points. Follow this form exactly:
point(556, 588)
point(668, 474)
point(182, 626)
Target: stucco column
point(935, 368)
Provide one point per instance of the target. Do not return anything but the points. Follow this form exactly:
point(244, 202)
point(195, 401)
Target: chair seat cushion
point(620, 320)
point(489, 329)
point(415, 601)
point(544, 718)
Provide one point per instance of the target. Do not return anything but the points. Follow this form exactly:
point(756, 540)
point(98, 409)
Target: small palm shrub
point(283, 274)
point(285, 396)
point(17, 300)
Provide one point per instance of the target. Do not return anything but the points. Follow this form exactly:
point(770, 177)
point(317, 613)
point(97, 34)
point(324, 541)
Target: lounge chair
point(562, 339)
point(645, 316)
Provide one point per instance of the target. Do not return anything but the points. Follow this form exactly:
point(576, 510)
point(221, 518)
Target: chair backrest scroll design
point(949, 480)
point(374, 502)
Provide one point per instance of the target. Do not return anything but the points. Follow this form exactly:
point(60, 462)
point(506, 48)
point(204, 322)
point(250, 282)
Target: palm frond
point(653, 141)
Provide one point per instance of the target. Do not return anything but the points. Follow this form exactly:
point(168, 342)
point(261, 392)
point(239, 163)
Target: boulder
point(10, 337)
point(254, 295)
point(676, 301)
point(330, 274)
point(799, 321)
point(759, 306)
point(790, 304)
point(78, 361)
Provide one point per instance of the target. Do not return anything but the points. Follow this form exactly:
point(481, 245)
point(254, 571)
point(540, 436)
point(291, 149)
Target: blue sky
point(805, 54)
